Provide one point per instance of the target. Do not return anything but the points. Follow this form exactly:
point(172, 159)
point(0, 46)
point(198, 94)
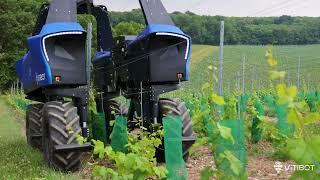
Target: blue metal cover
point(33, 69)
point(152, 29)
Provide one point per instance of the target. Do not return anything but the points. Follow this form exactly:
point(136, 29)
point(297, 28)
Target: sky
point(229, 7)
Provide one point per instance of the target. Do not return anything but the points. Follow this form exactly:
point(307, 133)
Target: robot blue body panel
point(167, 30)
point(33, 69)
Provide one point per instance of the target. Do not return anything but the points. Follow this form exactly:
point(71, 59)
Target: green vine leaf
point(207, 173)
point(312, 118)
point(205, 86)
point(277, 74)
point(235, 163)
point(225, 133)
point(99, 149)
point(217, 99)
point(294, 117)
point(286, 95)
point(100, 171)
point(272, 62)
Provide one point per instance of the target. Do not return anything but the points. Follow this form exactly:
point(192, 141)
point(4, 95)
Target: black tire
point(34, 125)
point(176, 107)
point(117, 107)
point(59, 119)
point(187, 128)
point(111, 109)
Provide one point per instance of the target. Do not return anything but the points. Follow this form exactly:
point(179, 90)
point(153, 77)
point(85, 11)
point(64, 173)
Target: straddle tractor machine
point(54, 73)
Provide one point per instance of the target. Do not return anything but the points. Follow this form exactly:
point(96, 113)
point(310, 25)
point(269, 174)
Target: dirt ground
point(263, 169)
point(203, 158)
point(259, 166)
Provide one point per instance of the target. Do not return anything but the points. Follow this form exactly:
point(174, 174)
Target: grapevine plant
point(138, 164)
point(207, 113)
point(304, 147)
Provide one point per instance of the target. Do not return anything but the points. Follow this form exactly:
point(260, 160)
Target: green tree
point(128, 28)
point(17, 18)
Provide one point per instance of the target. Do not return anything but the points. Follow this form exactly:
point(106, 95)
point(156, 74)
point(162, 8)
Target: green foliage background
point(17, 19)
point(284, 30)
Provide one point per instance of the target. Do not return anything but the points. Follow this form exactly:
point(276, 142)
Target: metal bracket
point(81, 92)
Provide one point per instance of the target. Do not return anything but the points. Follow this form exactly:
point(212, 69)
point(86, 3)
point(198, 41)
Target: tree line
point(283, 30)
point(17, 19)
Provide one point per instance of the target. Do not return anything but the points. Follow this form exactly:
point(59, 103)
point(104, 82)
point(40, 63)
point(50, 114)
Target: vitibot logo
point(278, 166)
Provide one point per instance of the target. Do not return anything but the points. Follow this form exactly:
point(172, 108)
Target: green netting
point(119, 135)
point(206, 120)
point(318, 96)
point(256, 132)
point(269, 100)
point(21, 104)
point(190, 105)
point(238, 149)
point(221, 111)
point(311, 100)
point(243, 103)
point(301, 96)
point(209, 127)
point(230, 108)
point(98, 126)
point(173, 148)
point(283, 126)
point(271, 105)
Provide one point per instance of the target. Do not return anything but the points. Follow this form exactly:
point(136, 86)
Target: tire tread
point(62, 118)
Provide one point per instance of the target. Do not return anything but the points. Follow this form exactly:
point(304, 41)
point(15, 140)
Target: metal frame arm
point(104, 31)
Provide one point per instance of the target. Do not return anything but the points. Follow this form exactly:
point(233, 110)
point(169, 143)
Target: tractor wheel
point(34, 125)
point(112, 108)
point(117, 107)
point(176, 107)
point(59, 120)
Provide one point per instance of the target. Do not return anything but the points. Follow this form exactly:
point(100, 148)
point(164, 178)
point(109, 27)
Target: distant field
point(256, 65)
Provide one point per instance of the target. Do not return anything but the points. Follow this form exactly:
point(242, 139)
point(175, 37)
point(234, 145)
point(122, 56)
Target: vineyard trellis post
point(221, 59)
point(308, 82)
point(89, 45)
point(244, 74)
point(288, 73)
point(14, 87)
point(229, 87)
point(299, 71)
point(21, 88)
point(11, 90)
point(252, 77)
point(18, 88)
point(288, 77)
point(238, 81)
point(239, 97)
